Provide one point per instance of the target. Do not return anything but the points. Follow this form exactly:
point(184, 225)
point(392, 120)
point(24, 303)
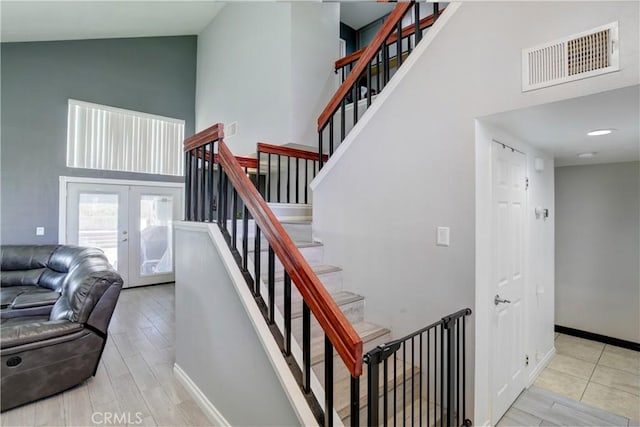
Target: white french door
point(508, 212)
point(132, 224)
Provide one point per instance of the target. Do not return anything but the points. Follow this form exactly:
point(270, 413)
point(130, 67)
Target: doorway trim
point(62, 195)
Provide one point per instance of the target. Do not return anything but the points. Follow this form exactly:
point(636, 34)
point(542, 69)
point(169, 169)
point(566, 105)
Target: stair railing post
point(373, 359)
point(449, 324)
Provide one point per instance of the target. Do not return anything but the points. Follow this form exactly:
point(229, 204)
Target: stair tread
point(340, 297)
point(434, 414)
point(318, 269)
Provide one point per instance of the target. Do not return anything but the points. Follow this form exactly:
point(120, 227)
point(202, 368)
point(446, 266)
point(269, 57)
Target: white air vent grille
point(575, 57)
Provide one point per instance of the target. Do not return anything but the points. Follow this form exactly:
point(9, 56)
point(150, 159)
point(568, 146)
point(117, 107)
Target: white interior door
point(508, 200)
point(98, 216)
point(153, 210)
point(132, 224)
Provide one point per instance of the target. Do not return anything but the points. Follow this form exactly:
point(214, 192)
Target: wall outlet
point(39, 231)
point(442, 236)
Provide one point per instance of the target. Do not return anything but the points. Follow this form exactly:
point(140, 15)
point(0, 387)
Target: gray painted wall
point(597, 249)
point(155, 75)
point(216, 344)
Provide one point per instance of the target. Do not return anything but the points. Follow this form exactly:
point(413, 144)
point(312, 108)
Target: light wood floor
point(135, 380)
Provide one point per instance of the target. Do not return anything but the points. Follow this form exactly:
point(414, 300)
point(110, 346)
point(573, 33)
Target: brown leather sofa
point(57, 303)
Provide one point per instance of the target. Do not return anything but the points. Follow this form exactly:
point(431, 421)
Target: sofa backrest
point(24, 264)
point(83, 287)
point(43, 265)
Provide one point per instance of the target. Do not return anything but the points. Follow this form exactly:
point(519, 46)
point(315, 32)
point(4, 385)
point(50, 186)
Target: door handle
point(125, 239)
point(497, 300)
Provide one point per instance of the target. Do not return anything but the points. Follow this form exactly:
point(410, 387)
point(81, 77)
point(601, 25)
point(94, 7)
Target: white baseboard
point(198, 396)
point(543, 364)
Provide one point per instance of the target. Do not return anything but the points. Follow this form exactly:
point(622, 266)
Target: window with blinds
point(108, 138)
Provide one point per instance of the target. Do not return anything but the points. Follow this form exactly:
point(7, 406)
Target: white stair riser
point(332, 282)
point(313, 254)
point(298, 232)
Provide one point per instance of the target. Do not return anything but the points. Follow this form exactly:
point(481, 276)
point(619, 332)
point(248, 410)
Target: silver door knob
point(497, 300)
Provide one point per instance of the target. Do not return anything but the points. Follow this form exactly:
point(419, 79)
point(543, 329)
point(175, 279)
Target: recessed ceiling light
point(587, 155)
point(599, 132)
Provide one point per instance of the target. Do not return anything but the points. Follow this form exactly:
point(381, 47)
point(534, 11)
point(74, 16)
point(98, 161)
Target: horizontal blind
point(102, 137)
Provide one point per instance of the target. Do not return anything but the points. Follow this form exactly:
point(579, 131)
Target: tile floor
point(600, 375)
point(135, 377)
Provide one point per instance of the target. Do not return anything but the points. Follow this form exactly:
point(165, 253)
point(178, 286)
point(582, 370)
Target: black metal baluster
point(219, 196)
point(194, 184)
point(320, 147)
point(417, 36)
point(203, 177)
point(343, 119)
point(288, 179)
point(271, 284)
point(225, 210)
point(268, 189)
point(211, 181)
point(328, 382)
point(429, 377)
point(306, 181)
point(306, 347)
point(413, 352)
point(287, 314)
point(398, 44)
point(234, 217)
point(420, 380)
point(451, 344)
point(256, 261)
point(368, 85)
point(356, 96)
point(442, 402)
point(464, 373)
point(278, 178)
point(297, 181)
point(187, 185)
point(245, 238)
point(436, 11)
point(458, 421)
point(385, 394)
point(355, 401)
point(378, 71)
point(373, 382)
point(395, 387)
point(258, 182)
point(331, 135)
point(404, 381)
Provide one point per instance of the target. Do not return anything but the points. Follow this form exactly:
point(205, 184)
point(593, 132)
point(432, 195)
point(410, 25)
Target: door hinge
point(526, 183)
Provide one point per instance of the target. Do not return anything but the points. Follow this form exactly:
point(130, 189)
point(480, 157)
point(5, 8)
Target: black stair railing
point(366, 72)
point(285, 173)
point(430, 389)
point(238, 201)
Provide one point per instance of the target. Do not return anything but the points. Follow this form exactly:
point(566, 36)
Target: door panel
point(508, 199)
point(132, 224)
point(153, 212)
point(98, 216)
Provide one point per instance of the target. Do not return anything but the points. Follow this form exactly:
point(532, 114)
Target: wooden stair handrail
point(425, 22)
point(367, 56)
point(336, 326)
point(212, 133)
point(290, 152)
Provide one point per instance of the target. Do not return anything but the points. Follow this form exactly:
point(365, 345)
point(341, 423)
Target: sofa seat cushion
point(9, 294)
point(25, 330)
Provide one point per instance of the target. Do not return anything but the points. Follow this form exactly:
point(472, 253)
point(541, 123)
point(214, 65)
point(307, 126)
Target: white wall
point(216, 343)
point(539, 264)
point(409, 164)
point(597, 249)
point(267, 66)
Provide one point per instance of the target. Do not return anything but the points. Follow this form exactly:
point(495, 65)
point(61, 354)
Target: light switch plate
point(39, 231)
point(442, 236)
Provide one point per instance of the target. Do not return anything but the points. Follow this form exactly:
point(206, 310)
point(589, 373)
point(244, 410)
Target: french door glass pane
point(156, 255)
point(98, 223)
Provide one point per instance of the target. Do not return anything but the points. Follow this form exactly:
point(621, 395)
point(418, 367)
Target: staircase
point(354, 367)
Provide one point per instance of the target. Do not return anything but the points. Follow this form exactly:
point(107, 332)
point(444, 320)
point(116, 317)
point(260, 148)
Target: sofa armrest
point(15, 335)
